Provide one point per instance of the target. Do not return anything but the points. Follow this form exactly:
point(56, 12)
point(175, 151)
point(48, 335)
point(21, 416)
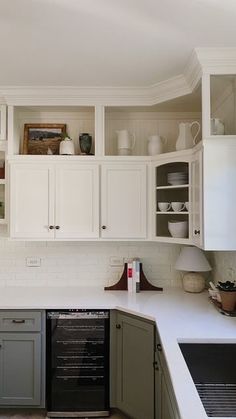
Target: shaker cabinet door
point(32, 201)
point(135, 372)
point(20, 362)
point(124, 201)
point(196, 199)
point(77, 201)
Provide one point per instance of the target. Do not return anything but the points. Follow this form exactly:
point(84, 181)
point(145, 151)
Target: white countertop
point(180, 317)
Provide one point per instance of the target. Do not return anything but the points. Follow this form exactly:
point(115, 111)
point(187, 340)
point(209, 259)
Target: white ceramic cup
point(186, 204)
point(164, 206)
point(178, 206)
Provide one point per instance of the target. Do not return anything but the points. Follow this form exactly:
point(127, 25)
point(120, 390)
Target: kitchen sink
point(213, 370)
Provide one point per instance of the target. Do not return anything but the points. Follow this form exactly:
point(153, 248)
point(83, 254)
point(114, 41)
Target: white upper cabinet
point(172, 206)
point(196, 202)
point(123, 201)
point(3, 122)
point(219, 194)
point(54, 201)
point(32, 201)
point(77, 201)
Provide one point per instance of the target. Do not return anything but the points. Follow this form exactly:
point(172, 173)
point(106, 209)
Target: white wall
point(72, 264)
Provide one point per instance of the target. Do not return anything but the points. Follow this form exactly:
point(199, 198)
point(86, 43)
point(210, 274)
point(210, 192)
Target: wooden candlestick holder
point(122, 284)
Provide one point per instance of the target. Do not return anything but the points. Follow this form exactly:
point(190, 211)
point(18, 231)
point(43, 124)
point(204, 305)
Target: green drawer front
point(20, 321)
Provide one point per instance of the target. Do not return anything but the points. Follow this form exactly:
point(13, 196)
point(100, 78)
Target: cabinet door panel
point(124, 201)
point(135, 372)
point(31, 195)
point(196, 199)
point(20, 356)
point(167, 411)
point(77, 201)
point(219, 189)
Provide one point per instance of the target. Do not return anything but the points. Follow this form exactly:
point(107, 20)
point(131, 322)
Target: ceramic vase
point(85, 142)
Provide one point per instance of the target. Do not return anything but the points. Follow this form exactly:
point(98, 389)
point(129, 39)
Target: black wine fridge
point(77, 363)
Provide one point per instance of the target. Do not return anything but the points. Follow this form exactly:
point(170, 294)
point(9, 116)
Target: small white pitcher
point(155, 145)
point(125, 142)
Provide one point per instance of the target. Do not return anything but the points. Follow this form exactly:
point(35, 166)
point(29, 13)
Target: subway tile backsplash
point(224, 266)
point(83, 263)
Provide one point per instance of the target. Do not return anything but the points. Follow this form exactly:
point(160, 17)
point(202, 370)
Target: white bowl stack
point(177, 178)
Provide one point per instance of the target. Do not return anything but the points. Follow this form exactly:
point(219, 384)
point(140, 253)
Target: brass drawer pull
point(18, 321)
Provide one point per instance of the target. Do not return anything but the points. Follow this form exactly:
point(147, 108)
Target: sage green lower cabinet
point(20, 365)
point(135, 372)
point(165, 402)
point(21, 359)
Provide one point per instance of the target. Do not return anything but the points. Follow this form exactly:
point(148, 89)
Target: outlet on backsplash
point(116, 261)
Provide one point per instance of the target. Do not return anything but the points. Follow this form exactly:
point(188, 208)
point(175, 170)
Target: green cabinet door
point(20, 369)
point(165, 401)
point(135, 372)
point(167, 410)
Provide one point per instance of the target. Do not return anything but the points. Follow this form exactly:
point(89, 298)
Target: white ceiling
point(107, 42)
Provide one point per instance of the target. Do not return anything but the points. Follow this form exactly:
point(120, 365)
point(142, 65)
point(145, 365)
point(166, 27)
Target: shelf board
point(3, 221)
point(2, 181)
point(173, 212)
point(173, 186)
point(169, 239)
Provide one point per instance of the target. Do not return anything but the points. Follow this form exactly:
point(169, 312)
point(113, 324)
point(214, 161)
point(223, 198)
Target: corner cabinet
point(54, 201)
point(123, 201)
point(171, 185)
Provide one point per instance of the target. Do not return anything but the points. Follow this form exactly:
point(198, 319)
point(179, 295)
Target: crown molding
point(217, 60)
point(89, 96)
point(193, 71)
point(202, 60)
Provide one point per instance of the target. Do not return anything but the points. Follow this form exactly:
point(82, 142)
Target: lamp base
point(193, 282)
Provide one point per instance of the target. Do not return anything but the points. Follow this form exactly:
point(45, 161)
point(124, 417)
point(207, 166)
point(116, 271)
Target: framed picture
point(43, 138)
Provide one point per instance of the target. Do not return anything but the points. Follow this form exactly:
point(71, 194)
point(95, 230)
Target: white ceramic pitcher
point(155, 145)
point(125, 142)
point(185, 138)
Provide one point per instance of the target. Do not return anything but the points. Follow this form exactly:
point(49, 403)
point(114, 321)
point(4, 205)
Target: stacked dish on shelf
point(177, 178)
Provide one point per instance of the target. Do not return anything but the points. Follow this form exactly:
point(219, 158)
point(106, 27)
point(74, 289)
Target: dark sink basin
point(213, 370)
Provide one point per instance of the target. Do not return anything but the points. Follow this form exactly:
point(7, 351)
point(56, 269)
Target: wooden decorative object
point(122, 285)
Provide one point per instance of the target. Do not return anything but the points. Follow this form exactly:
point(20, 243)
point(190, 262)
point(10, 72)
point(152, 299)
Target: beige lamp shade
point(192, 260)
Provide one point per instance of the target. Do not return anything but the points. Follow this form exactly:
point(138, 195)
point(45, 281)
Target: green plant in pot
point(228, 295)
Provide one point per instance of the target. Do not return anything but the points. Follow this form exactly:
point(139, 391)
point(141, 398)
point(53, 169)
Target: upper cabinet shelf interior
point(223, 104)
point(129, 129)
point(78, 119)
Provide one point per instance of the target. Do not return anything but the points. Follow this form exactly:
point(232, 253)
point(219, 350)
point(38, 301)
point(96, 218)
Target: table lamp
point(192, 260)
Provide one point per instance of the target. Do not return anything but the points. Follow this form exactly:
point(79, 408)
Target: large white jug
point(125, 142)
point(155, 145)
point(185, 138)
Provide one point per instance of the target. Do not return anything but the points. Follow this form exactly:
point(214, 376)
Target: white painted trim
point(193, 71)
point(90, 96)
point(201, 61)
